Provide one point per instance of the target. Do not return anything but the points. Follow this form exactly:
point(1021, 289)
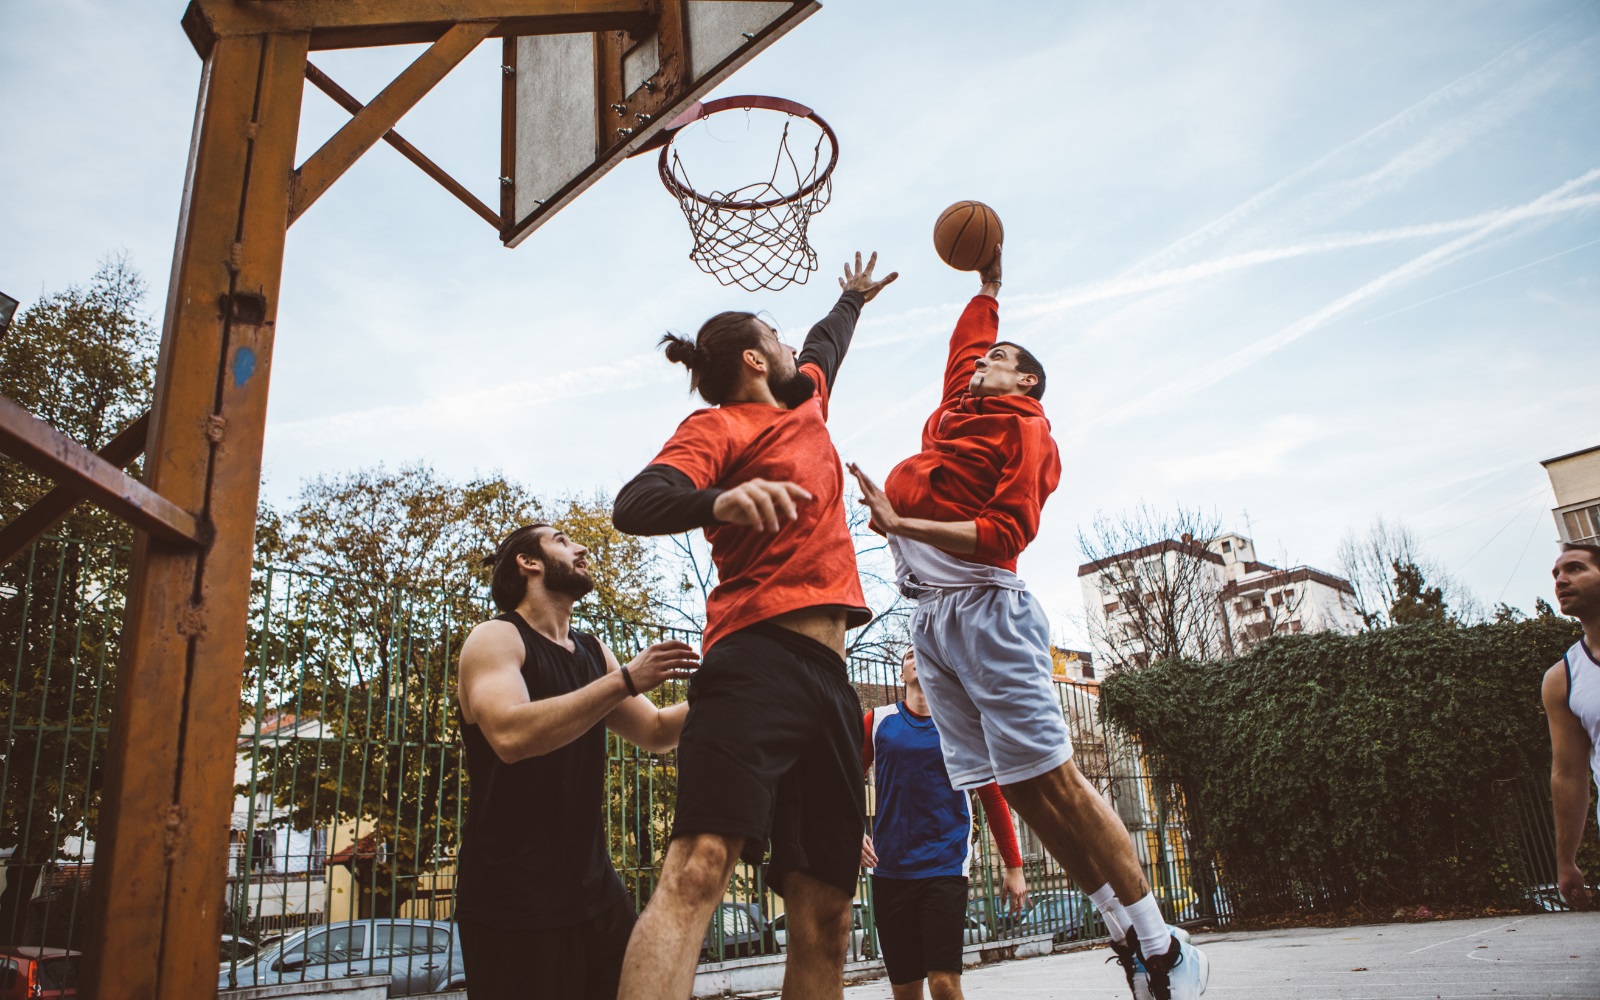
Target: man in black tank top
point(542, 913)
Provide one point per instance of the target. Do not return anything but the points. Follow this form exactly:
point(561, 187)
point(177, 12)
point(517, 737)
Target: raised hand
point(670, 660)
point(860, 280)
point(991, 274)
point(760, 504)
point(883, 519)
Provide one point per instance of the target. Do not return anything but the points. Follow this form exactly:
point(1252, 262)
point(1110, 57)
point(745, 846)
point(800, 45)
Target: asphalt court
point(1546, 955)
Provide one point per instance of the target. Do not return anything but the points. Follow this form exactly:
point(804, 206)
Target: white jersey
point(921, 569)
point(1583, 699)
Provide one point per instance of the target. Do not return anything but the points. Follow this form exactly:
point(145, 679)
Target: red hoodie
point(987, 459)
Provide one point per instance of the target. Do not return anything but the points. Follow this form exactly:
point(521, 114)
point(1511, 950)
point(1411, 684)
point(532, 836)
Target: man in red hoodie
point(957, 515)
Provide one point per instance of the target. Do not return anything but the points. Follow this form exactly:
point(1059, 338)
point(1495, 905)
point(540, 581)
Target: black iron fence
point(350, 785)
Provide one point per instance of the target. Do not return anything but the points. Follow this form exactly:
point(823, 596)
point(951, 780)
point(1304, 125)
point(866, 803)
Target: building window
point(1111, 607)
point(1088, 671)
point(1277, 600)
point(261, 844)
point(1583, 524)
point(1227, 546)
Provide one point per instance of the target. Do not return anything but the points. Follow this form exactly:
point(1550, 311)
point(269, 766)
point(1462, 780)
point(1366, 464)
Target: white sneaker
point(1179, 973)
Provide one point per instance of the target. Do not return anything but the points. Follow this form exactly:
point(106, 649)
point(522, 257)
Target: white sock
point(1150, 926)
point(1111, 911)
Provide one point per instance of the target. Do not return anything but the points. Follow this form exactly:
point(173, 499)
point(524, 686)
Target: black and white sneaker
point(1180, 972)
point(1126, 954)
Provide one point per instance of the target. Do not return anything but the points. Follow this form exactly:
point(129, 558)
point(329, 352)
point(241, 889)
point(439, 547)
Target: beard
point(793, 389)
point(560, 578)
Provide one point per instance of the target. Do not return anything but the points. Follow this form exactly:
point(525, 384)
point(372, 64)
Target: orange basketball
point(966, 234)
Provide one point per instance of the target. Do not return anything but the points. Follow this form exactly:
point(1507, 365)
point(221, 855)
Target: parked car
point(979, 908)
point(1064, 914)
point(738, 930)
point(419, 956)
point(862, 942)
point(29, 973)
point(238, 948)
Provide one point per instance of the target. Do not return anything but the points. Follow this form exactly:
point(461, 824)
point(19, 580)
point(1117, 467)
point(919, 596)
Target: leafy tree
point(81, 359)
point(1416, 603)
point(361, 632)
point(1368, 560)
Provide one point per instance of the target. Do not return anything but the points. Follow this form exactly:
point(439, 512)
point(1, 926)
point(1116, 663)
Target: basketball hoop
point(754, 236)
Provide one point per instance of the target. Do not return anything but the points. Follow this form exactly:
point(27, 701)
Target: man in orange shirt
point(770, 749)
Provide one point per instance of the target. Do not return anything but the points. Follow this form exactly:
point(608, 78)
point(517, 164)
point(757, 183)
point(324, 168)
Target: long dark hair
point(714, 356)
point(507, 585)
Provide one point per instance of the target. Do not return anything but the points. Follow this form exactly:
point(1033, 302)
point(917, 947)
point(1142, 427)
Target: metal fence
point(350, 784)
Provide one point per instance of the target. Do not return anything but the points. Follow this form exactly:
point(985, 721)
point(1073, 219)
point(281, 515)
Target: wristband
point(626, 679)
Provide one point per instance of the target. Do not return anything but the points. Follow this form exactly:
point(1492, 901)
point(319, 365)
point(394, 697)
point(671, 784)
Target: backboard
point(575, 105)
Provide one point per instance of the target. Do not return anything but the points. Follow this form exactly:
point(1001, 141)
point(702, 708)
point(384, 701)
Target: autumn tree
point(81, 359)
point(373, 579)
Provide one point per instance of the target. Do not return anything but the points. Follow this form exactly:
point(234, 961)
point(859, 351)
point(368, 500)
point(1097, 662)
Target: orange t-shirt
point(810, 561)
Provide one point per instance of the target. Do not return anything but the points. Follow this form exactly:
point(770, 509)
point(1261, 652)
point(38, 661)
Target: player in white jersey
point(1572, 703)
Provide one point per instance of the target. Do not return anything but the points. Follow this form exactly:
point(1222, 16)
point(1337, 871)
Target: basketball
point(966, 234)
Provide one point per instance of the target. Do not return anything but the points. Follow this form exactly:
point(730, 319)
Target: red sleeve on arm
point(700, 448)
point(1010, 520)
point(975, 332)
point(820, 377)
point(866, 742)
point(1000, 825)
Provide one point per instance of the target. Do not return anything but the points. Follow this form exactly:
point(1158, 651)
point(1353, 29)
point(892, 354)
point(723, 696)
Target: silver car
point(418, 956)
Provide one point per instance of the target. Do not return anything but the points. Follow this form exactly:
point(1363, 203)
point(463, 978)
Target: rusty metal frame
point(162, 842)
point(345, 100)
point(121, 451)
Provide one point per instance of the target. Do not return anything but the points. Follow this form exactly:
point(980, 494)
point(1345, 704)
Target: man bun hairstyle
point(507, 585)
point(715, 355)
point(1028, 365)
point(1592, 549)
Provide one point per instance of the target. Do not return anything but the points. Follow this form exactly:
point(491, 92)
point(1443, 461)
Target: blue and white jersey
point(924, 826)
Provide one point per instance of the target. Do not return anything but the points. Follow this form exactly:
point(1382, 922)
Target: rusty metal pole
point(162, 848)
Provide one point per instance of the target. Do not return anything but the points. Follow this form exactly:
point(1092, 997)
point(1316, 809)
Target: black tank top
point(534, 851)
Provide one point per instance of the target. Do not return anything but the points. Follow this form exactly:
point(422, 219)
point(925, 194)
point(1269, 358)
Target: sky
point(1302, 264)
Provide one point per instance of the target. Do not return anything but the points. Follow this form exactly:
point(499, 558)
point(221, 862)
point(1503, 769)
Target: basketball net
point(755, 236)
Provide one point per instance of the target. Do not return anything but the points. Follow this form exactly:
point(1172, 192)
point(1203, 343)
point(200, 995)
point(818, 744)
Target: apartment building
point(1575, 479)
point(1205, 599)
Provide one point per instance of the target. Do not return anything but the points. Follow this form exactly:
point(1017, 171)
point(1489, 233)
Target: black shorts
point(771, 751)
point(576, 962)
point(922, 924)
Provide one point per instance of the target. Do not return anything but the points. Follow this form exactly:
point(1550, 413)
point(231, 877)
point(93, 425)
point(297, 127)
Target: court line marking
point(1487, 930)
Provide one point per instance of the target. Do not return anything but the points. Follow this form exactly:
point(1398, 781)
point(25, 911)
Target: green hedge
point(1370, 769)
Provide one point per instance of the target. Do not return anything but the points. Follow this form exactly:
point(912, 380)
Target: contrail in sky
point(1176, 390)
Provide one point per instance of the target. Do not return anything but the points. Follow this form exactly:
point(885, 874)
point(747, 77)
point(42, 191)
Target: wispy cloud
point(1470, 85)
point(1174, 392)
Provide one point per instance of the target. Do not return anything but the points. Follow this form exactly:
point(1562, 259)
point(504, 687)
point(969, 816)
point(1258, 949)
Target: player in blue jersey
point(920, 851)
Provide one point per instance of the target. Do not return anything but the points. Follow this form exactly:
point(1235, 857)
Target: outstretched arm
point(829, 341)
point(637, 719)
point(494, 697)
point(960, 537)
point(975, 332)
point(1569, 784)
